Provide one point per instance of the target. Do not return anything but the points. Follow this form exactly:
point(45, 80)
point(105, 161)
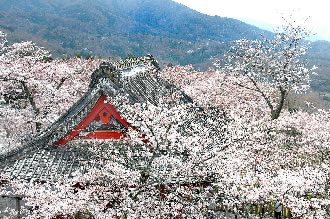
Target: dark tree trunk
point(276, 113)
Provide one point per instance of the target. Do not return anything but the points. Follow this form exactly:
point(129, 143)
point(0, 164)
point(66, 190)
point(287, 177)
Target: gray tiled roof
point(41, 160)
point(43, 164)
point(51, 162)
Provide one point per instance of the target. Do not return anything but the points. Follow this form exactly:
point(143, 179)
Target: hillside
point(319, 55)
point(116, 28)
point(172, 32)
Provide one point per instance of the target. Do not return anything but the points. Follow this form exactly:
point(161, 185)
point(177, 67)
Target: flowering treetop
point(37, 89)
point(278, 63)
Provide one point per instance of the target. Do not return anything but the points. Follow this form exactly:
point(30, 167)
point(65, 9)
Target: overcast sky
point(267, 14)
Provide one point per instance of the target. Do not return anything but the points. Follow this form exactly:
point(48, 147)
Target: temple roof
point(41, 160)
point(46, 163)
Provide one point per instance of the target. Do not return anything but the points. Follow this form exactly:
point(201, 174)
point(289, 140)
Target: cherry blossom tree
point(278, 63)
point(36, 89)
point(284, 159)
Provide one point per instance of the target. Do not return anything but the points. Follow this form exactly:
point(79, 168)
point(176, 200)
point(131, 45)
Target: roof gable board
point(103, 113)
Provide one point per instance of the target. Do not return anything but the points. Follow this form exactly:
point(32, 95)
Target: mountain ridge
point(110, 17)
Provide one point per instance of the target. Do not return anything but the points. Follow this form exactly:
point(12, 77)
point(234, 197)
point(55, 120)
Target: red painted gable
point(102, 122)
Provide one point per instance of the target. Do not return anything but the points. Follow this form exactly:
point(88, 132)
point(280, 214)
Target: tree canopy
point(279, 63)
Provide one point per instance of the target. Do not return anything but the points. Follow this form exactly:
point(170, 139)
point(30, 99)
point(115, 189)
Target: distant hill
point(170, 31)
point(319, 56)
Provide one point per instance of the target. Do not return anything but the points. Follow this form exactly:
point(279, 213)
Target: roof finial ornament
point(112, 70)
point(153, 61)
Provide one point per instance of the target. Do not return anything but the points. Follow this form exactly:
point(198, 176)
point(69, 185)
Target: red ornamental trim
point(102, 111)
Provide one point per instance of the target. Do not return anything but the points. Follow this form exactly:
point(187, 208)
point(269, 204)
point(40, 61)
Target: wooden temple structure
point(91, 117)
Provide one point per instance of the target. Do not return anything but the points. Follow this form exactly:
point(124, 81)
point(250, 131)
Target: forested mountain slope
point(116, 28)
